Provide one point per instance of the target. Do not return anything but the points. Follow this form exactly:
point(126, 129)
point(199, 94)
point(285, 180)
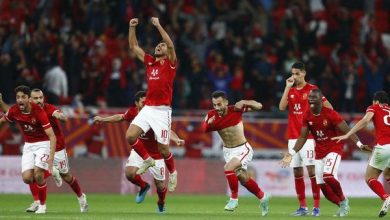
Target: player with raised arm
point(156, 115)
point(40, 141)
point(324, 123)
point(61, 163)
point(379, 113)
point(295, 99)
point(227, 121)
point(134, 161)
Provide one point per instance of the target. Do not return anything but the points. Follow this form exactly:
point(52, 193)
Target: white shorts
point(61, 161)
point(35, 155)
point(304, 157)
point(157, 171)
point(157, 118)
point(243, 152)
point(327, 165)
point(380, 157)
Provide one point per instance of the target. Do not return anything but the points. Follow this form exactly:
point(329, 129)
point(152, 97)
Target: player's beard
point(159, 55)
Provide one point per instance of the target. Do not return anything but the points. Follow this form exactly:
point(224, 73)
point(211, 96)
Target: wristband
point(359, 144)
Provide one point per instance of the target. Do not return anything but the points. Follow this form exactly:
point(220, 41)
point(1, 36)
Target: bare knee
point(164, 150)
point(39, 178)
point(159, 185)
point(67, 177)
point(130, 173)
point(28, 180)
point(298, 171)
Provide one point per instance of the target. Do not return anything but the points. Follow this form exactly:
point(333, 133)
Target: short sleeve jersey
point(32, 124)
point(55, 124)
point(148, 140)
point(323, 127)
point(381, 121)
point(297, 106)
point(159, 75)
point(232, 118)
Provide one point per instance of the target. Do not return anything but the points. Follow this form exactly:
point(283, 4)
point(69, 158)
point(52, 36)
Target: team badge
point(162, 62)
point(33, 121)
point(325, 122)
point(304, 97)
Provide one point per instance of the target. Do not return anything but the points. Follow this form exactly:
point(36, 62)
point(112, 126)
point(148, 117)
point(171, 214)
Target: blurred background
point(245, 48)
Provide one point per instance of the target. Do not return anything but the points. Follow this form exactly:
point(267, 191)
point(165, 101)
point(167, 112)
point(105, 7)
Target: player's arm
point(109, 119)
point(53, 141)
point(248, 105)
point(3, 105)
point(208, 123)
point(175, 138)
point(283, 101)
point(358, 126)
point(345, 129)
point(60, 116)
point(2, 120)
point(166, 39)
point(287, 157)
point(133, 43)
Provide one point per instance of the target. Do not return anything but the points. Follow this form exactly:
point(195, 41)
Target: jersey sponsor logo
point(154, 75)
point(297, 106)
point(320, 133)
point(154, 72)
point(28, 128)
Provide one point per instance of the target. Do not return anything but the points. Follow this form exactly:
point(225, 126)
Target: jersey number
point(164, 133)
point(386, 119)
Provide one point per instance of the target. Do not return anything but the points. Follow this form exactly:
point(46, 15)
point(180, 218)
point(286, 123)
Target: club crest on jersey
point(162, 62)
point(33, 121)
point(304, 96)
point(325, 122)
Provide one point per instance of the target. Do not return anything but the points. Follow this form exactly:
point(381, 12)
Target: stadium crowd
point(78, 50)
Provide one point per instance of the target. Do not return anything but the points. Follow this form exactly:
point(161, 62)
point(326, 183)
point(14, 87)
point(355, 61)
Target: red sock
point(140, 149)
point(315, 189)
point(161, 195)
point(252, 186)
point(300, 189)
point(34, 190)
point(74, 184)
point(137, 180)
point(335, 185)
point(170, 163)
point(42, 193)
point(329, 194)
point(377, 187)
point(233, 183)
point(46, 174)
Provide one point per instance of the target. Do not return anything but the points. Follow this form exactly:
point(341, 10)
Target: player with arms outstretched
point(156, 115)
point(227, 121)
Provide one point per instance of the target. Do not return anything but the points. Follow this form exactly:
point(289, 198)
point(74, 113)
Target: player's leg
point(297, 165)
point(158, 173)
point(28, 176)
point(386, 203)
point(326, 189)
point(231, 165)
point(133, 163)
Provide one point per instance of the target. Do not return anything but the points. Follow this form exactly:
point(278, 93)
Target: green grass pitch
point(186, 207)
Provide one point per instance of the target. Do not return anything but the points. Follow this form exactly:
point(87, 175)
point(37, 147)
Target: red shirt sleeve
point(335, 117)
point(42, 118)
point(9, 116)
point(370, 109)
point(206, 127)
point(50, 109)
point(129, 115)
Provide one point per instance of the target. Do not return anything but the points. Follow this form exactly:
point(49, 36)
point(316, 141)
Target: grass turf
point(186, 207)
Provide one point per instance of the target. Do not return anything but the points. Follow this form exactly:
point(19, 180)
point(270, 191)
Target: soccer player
point(324, 123)
point(40, 142)
point(134, 161)
point(156, 115)
point(379, 113)
point(227, 121)
point(295, 98)
point(61, 163)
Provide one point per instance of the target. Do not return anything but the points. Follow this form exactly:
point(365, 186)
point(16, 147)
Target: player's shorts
point(35, 155)
point(244, 153)
point(157, 171)
point(61, 161)
point(380, 157)
point(327, 165)
point(304, 157)
point(157, 118)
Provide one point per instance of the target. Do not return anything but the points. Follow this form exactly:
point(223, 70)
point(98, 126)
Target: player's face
point(220, 105)
point(141, 103)
point(161, 50)
point(314, 100)
point(298, 75)
point(22, 100)
point(37, 98)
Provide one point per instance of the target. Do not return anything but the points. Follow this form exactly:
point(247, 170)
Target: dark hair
point(139, 95)
point(218, 94)
point(381, 96)
point(36, 90)
point(24, 89)
point(317, 91)
point(299, 65)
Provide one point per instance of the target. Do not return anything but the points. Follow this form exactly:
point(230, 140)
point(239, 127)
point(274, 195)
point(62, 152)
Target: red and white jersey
point(159, 75)
point(55, 124)
point(323, 127)
point(32, 124)
point(148, 140)
point(381, 121)
point(232, 118)
point(297, 106)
